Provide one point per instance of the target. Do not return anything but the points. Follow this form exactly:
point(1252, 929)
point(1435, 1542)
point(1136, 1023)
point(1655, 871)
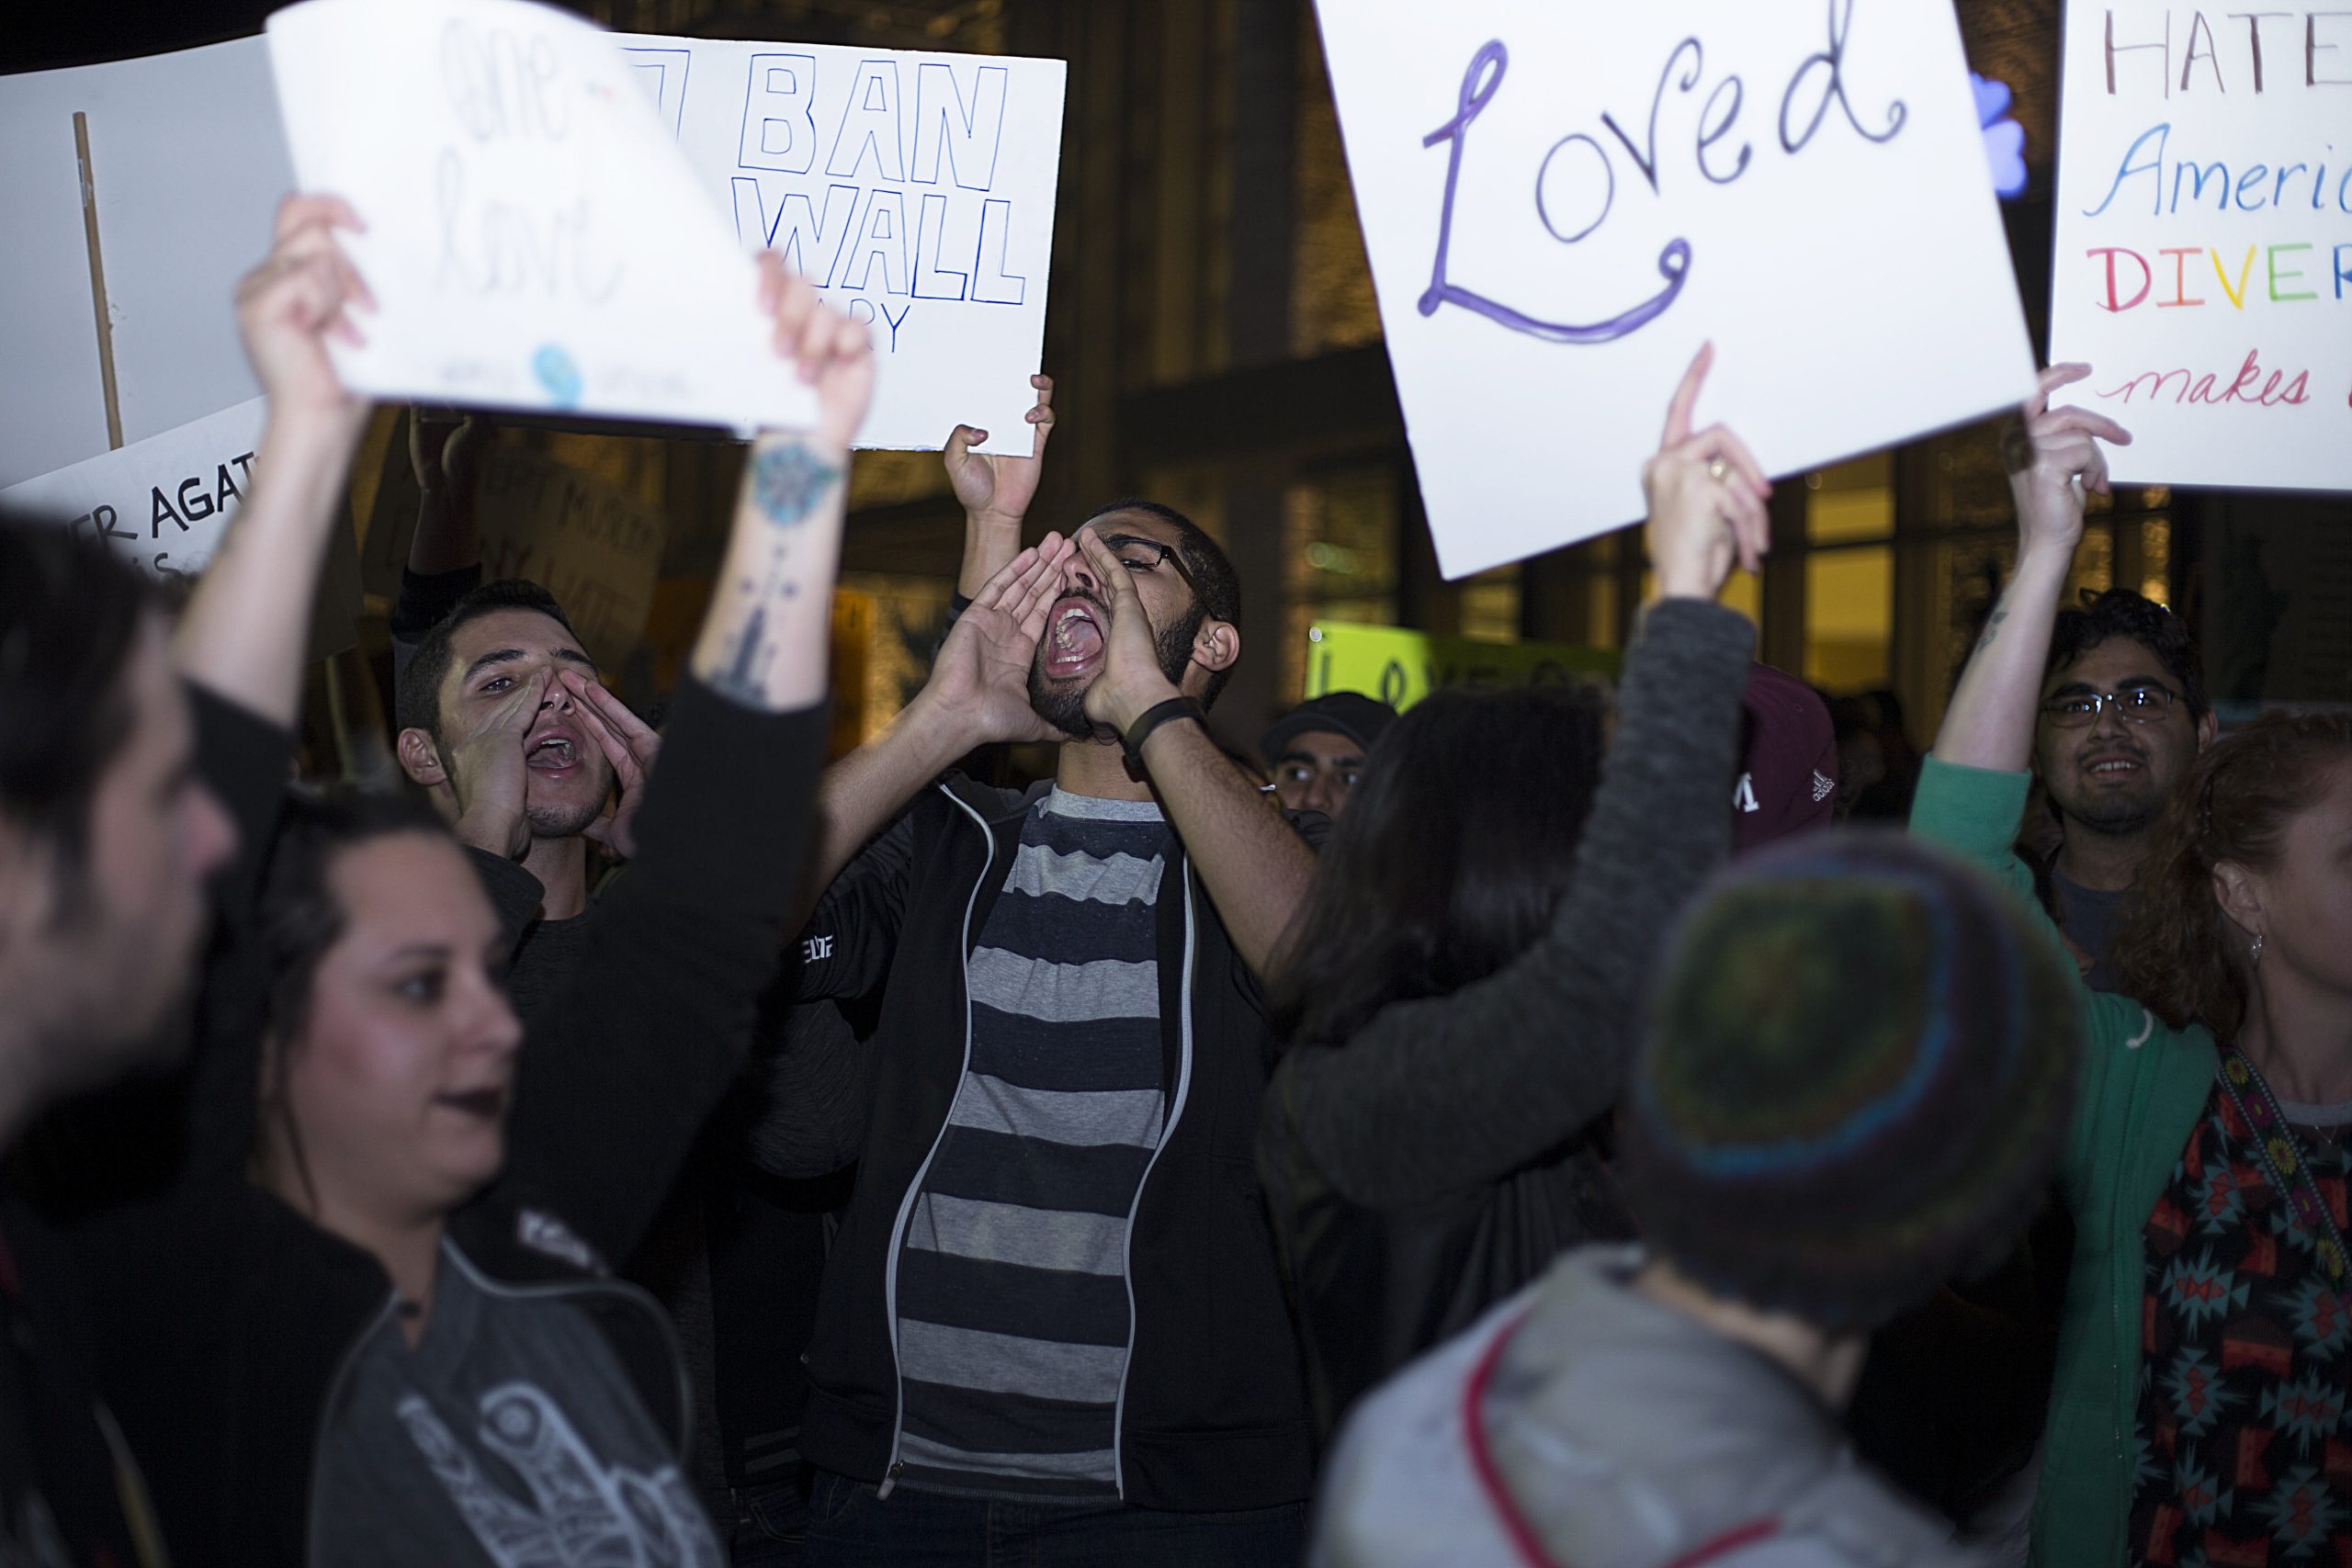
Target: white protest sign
point(536, 238)
point(917, 189)
point(162, 504)
point(594, 547)
point(2204, 239)
point(1563, 199)
point(187, 164)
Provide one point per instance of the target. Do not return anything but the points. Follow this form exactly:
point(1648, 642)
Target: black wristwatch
point(1152, 717)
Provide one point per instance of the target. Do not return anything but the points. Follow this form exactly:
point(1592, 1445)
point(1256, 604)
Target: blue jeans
point(850, 1527)
point(771, 1526)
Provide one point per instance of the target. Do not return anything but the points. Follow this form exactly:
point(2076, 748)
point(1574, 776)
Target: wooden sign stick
point(97, 280)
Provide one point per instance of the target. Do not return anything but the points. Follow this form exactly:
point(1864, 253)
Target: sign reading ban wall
point(2204, 239)
point(1562, 199)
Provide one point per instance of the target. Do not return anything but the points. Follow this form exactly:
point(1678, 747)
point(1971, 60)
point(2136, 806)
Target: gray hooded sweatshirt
point(1611, 1432)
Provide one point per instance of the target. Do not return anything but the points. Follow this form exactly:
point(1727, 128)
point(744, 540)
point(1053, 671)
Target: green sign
point(1402, 667)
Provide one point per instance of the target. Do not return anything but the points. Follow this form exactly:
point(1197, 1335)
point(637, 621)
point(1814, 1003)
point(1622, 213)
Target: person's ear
point(1216, 646)
point(2207, 729)
point(421, 759)
point(2239, 893)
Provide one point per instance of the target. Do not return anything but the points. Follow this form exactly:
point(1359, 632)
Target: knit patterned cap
point(1859, 1066)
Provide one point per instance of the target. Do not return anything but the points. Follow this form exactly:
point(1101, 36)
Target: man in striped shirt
point(1052, 1325)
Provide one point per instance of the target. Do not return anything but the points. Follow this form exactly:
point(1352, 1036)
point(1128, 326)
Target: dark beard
point(1064, 707)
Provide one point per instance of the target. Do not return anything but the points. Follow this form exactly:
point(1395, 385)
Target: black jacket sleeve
point(847, 946)
point(245, 760)
point(620, 1073)
point(1444, 1093)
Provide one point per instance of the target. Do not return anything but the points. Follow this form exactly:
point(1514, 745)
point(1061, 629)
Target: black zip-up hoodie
point(1211, 1413)
point(225, 1318)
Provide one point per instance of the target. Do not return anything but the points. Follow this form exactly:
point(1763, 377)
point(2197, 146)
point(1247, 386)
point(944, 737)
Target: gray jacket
point(1612, 1432)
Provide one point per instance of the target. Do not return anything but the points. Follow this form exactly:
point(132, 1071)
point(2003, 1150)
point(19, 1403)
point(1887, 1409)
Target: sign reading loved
point(535, 238)
point(916, 189)
point(2204, 239)
point(1563, 199)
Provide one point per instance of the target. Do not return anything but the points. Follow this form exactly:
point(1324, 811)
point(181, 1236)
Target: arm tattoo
point(1992, 627)
point(789, 483)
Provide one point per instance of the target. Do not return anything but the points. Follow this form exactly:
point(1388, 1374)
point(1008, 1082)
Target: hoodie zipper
point(1167, 1131)
point(327, 1406)
point(914, 1187)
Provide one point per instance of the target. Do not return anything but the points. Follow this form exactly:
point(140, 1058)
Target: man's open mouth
point(1073, 640)
point(553, 753)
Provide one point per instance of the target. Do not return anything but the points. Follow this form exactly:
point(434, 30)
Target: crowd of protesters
point(644, 1144)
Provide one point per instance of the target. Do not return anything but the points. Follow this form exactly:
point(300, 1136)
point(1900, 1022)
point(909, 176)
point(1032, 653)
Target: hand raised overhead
point(1707, 493)
point(303, 294)
point(1000, 486)
point(2054, 459)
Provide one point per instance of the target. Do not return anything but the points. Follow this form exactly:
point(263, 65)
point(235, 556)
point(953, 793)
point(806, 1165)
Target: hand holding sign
point(2053, 458)
point(299, 299)
point(1707, 493)
point(533, 233)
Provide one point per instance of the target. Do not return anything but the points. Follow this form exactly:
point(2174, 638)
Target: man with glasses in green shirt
point(2123, 714)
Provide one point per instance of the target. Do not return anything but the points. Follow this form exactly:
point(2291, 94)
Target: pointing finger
point(1685, 397)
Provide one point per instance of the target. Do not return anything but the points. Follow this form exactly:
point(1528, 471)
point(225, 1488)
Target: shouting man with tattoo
point(1053, 1315)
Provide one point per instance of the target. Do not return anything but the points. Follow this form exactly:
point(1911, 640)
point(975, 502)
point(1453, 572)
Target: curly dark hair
point(2119, 612)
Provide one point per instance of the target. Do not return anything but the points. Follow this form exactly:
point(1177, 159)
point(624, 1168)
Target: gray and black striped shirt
point(1013, 1314)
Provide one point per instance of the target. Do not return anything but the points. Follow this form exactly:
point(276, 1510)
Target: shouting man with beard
point(2123, 714)
point(1052, 1320)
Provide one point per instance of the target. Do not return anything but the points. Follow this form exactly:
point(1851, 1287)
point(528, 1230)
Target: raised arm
point(996, 491)
point(244, 631)
point(619, 1075)
point(2054, 458)
point(1442, 1093)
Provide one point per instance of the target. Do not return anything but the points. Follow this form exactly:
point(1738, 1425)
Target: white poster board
point(2204, 239)
point(1562, 199)
point(535, 239)
point(161, 504)
point(189, 164)
point(916, 188)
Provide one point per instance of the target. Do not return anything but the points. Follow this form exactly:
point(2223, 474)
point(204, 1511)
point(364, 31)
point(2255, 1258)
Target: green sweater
point(2144, 1086)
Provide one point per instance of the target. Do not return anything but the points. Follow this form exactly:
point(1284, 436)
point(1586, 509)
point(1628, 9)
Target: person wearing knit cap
point(1856, 1082)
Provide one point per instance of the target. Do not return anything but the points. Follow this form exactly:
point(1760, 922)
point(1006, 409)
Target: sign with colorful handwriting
point(162, 504)
point(594, 547)
point(1401, 667)
point(1562, 199)
point(916, 188)
point(535, 238)
point(2204, 239)
point(186, 164)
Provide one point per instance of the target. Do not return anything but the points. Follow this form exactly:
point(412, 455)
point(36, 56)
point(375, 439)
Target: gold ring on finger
point(1717, 467)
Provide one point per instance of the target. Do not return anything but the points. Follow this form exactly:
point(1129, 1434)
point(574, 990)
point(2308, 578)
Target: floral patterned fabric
point(2243, 1446)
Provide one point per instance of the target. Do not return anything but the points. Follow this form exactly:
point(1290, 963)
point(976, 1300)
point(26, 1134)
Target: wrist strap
point(1152, 717)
